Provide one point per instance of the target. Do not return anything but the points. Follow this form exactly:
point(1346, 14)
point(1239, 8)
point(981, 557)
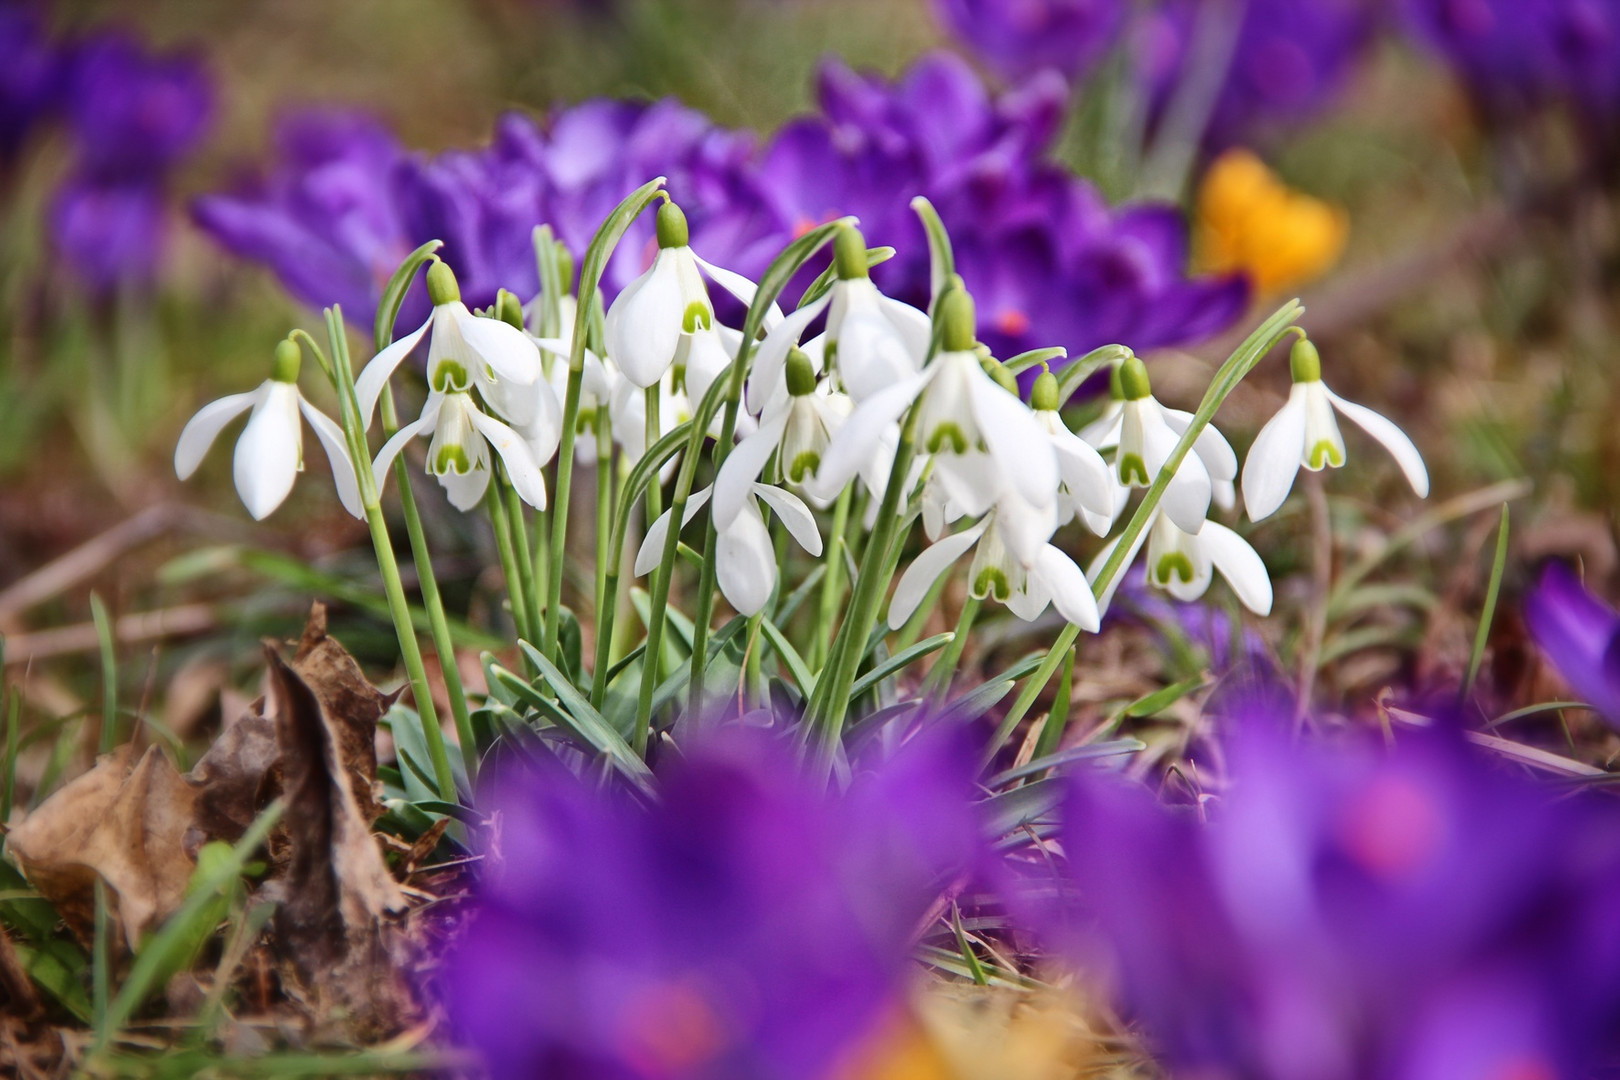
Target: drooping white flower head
point(1148, 433)
point(465, 351)
point(965, 405)
point(1087, 488)
point(796, 431)
point(1013, 564)
point(458, 455)
point(745, 561)
point(871, 340)
point(662, 311)
point(1184, 563)
point(270, 451)
point(1305, 433)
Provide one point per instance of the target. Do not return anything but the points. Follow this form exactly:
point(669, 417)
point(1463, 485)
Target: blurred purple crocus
point(1018, 37)
point(1517, 54)
point(1354, 911)
point(30, 81)
point(1048, 261)
point(323, 219)
point(1580, 634)
point(743, 924)
point(1260, 65)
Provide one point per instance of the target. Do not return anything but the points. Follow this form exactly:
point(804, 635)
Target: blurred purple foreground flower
point(1018, 37)
point(1048, 260)
point(742, 925)
point(1581, 636)
point(1357, 913)
point(134, 116)
point(1268, 63)
point(1515, 54)
point(30, 81)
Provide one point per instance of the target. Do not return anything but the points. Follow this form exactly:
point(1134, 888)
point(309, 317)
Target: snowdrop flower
point(797, 431)
point(465, 351)
point(964, 407)
point(666, 311)
point(745, 561)
point(1304, 432)
point(872, 340)
point(458, 455)
point(1183, 563)
point(270, 451)
point(1148, 432)
point(1013, 564)
point(1087, 488)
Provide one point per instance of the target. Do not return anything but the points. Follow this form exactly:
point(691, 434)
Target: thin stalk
point(109, 674)
point(655, 490)
point(1058, 719)
point(496, 505)
point(1488, 613)
point(438, 625)
point(393, 588)
point(1239, 364)
point(938, 682)
point(522, 555)
point(832, 582)
point(604, 508)
point(540, 566)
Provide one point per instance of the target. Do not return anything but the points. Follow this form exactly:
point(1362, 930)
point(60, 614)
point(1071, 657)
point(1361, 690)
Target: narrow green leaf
point(941, 260)
point(1073, 374)
point(579, 707)
point(393, 295)
point(1489, 611)
point(1089, 752)
point(1159, 700)
point(1026, 360)
point(789, 656)
point(898, 662)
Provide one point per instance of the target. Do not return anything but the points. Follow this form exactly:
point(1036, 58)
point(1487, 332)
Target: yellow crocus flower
point(1248, 220)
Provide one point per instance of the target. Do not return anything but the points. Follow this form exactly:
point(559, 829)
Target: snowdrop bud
point(1044, 396)
point(849, 254)
point(509, 309)
point(672, 229)
point(441, 284)
point(998, 371)
point(957, 315)
point(801, 374)
point(1304, 362)
point(1133, 380)
point(289, 357)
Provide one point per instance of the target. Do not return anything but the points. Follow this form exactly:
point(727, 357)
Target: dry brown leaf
point(17, 994)
point(126, 824)
point(353, 707)
point(235, 780)
point(335, 895)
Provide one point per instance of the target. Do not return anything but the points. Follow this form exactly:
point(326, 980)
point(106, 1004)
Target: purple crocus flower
point(30, 81)
point(323, 219)
point(1357, 911)
point(1017, 37)
point(135, 114)
point(1580, 634)
point(109, 232)
point(743, 924)
point(1517, 54)
point(1284, 60)
point(1047, 260)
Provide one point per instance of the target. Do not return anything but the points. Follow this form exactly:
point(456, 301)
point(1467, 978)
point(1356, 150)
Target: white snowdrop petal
point(871, 354)
point(1239, 564)
point(269, 455)
point(1015, 440)
point(201, 430)
point(521, 468)
point(1102, 559)
point(1084, 473)
point(794, 515)
point(766, 375)
point(509, 352)
point(735, 481)
point(925, 570)
point(374, 376)
point(1186, 500)
point(337, 452)
point(1273, 461)
point(1070, 591)
point(396, 442)
point(1211, 446)
point(913, 324)
point(1400, 447)
point(745, 563)
point(859, 438)
point(740, 287)
point(643, 327)
point(466, 490)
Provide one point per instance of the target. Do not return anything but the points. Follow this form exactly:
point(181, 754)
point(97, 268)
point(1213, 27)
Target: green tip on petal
point(449, 377)
point(801, 374)
point(1133, 380)
point(672, 228)
point(849, 254)
point(289, 357)
point(1305, 362)
point(959, 320)
point(509, 310)
point(1171, 566)
point(697, 316)
point(441, 284)
point(992, 582)
point(1044, 397)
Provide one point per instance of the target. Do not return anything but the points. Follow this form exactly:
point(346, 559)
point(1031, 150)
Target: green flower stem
point(655, 490)
point(540, 566)
point(938, 683)
point(604, 507)
point(832, 582)
point(393, 587)
point(522, 556)
point(825, 720)
point(590, 302)
point(502, 523)
point(1238, 365)
point(438, 624)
